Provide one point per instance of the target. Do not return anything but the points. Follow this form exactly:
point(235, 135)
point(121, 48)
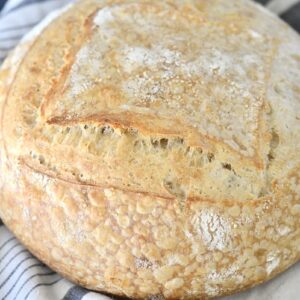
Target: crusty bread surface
point(150, 149)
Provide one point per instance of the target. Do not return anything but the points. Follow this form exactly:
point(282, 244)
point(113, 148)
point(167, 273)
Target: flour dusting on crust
point(161, 73)
point(273, 261)
point(214, 229)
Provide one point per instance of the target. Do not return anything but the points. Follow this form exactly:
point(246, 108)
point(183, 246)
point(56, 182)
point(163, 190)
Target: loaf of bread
point(150, 149)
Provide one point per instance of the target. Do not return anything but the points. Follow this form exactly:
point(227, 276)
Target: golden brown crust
point(112, 237)
point(158, 165)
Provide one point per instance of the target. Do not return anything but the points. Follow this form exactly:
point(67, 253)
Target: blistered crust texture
point(151, 149)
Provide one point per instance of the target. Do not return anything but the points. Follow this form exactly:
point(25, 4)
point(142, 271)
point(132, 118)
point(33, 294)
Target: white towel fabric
point(23, 277)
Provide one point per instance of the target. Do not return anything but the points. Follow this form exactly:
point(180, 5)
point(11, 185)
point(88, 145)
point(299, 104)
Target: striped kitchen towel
point(22, 276)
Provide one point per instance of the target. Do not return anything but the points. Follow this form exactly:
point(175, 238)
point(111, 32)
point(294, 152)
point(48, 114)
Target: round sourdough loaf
point(150, 149)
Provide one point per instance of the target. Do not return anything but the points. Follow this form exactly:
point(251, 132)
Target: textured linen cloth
point(22, 276)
